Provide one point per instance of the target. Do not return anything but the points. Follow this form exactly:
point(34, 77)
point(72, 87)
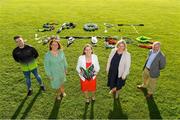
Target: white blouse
point(82, 63)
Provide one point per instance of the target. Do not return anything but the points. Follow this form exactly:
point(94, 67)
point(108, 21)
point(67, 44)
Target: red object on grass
point(145, 46)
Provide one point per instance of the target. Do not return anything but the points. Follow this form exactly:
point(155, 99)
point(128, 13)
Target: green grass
point(161, 19)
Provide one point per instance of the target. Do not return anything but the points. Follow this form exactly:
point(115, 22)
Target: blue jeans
point(27, 75)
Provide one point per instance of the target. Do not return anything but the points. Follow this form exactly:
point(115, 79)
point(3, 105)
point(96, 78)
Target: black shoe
point(29, 93)
point(149, 96)
point(43, 88)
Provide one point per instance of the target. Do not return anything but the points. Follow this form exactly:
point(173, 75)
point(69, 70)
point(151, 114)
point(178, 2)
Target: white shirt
point(82, 63)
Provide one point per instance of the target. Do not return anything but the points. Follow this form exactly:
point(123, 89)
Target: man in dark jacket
point(155, 62)
point(26, 55)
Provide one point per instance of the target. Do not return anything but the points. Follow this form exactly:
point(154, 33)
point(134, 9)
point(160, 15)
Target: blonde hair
point(121, 42)
point(87, 45)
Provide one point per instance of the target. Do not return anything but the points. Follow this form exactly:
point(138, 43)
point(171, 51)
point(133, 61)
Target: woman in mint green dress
point(56, 67)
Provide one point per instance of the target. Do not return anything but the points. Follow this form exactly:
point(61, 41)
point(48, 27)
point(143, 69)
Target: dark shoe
point(149, 96)
point(87, 103)
point(59, 97)
point(43, 88)
point(46, 25)
point(29, 93)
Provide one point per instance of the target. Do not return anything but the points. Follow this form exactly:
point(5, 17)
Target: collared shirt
point(151, 58)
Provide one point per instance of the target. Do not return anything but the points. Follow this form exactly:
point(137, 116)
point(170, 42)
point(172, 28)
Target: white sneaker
point(64, 94)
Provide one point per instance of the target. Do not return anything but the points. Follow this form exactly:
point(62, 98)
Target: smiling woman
point(88, 60)
point(118, 66)
point(56, 68)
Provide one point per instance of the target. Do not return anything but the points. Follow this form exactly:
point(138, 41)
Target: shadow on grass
point(30, 105)
point(153, 108)
point(92, 110)
point(85, 110)
point(55, 110)
point(19, 109)
point(117, 112)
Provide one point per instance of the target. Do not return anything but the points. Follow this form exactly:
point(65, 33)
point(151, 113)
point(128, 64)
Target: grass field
point(24, 17)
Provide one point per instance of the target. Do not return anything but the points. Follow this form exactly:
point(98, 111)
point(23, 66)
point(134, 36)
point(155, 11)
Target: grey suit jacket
point(158, 64)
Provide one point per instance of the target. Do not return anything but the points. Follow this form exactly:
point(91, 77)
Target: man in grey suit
point(155, 62)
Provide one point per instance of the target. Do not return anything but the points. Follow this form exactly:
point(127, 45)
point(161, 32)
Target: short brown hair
point(17, 36)
point(87, 45)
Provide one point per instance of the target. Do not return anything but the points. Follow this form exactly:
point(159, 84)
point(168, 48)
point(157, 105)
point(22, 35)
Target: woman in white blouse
point(87, 68)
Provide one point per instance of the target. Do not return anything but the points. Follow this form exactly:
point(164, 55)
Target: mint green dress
point(55, 67)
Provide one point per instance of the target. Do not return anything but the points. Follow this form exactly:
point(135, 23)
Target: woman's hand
point(123, 77)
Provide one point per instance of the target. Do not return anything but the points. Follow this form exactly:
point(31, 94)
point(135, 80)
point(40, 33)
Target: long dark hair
point(87, 45)
point(59, 46)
